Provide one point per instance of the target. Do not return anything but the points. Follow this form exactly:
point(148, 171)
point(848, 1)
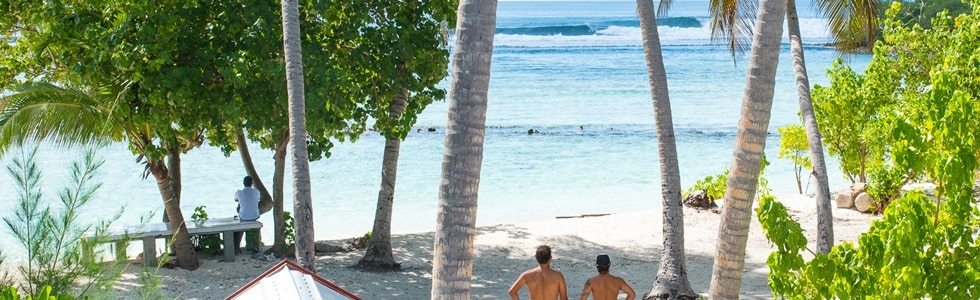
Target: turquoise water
point(573, 71)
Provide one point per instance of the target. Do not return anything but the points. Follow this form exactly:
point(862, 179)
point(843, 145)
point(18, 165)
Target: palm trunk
point(169, 190)
point(671, 282)
point(379, 253)
point(302, 196)
point(253, 238)
point(743, 179)
point(452, 261)
point(265, 200)
point(825, 218)
point(278, 177)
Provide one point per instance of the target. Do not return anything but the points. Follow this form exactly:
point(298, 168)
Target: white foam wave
point(813, 30)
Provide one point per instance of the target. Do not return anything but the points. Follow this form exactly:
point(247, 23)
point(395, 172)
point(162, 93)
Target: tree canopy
point(925, 246)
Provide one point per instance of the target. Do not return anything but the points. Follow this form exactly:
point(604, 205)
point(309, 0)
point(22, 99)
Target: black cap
point(602, 260)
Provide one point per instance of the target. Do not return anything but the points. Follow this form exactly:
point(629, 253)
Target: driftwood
point(700, 200)
point(581, 216)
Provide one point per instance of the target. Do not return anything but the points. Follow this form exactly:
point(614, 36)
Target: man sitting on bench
point(248, 208)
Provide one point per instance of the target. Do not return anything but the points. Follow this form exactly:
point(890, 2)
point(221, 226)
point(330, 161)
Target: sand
point(633, 241)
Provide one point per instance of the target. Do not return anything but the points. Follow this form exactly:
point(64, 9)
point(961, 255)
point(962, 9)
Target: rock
point(857, 188)
point(323, 247)
point(862, 202)
point(699, 199)
point(844, 199)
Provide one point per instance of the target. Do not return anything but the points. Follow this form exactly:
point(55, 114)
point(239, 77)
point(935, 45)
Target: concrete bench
point(149, 233)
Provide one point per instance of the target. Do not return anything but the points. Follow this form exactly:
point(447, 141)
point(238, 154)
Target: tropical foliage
point(61, 254)
point(793, 146)
point(879, 129)
point(713, 185)
point(207, 243)
point(923, 247)
point(10, 293)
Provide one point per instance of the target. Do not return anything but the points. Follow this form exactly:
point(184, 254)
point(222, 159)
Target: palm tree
point(73, 116)
point(452, 262)
point(302, 196)
point(854, 26)
point(672, 282)
point(825, 218)
point(379, 253)
point(743, 179)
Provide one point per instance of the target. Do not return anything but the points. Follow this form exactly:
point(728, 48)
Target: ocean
point(573, 71)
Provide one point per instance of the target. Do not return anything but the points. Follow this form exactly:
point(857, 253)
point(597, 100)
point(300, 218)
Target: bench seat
point(150, 232)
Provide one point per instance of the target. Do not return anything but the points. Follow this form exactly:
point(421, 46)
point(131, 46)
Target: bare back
point(542, 284)
point(606, 287)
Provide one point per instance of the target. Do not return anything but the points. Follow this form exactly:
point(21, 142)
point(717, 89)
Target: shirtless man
point(605, 286)
point(542, 282)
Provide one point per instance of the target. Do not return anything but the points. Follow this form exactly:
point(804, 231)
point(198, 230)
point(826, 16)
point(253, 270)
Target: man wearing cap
point(605, 286)
point(542, 282)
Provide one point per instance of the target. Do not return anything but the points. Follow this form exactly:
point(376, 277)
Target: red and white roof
point(288, 280)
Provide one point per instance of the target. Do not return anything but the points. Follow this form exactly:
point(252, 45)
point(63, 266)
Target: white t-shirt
point(248, 204)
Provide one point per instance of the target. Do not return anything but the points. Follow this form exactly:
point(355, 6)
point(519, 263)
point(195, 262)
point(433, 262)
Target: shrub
point(10, 293)
point(207, 243)
point(52, 238)
point(793, 146)
point(288, 228)
point(922, 248)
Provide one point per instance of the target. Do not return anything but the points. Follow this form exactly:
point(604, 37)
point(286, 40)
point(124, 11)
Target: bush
point(715, 185)
point(922, 248)
point(52, 238)
point(209, 243)
point(10, 293)
point(288, 228)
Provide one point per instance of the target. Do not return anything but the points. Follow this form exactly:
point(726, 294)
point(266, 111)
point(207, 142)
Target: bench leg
point(229, 238)
point(149, 251)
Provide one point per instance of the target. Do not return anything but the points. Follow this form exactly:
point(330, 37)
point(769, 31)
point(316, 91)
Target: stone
point(844, 199)
point(862, 202)
point(857, 188)
point(323, 247)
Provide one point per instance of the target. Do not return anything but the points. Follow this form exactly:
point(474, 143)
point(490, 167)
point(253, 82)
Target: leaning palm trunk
point(726, 279)
point(302, 197)
point(452, 261)
point(182, 246)
point(825, 218)
point(672, 282)
point(265, 199)
point(379, 254)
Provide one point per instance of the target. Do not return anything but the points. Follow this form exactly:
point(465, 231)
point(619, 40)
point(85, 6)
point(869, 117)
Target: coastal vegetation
point(164, 86)
point(793, 147)
point(925, 246)
point(59, 242)
point(160, 85)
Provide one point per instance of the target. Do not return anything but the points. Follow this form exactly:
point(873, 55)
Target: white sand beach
point(633, 240)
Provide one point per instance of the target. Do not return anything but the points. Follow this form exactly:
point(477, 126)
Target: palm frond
point(663, 7)
point(732, 21)
point(853, 23)
point(40, 111)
